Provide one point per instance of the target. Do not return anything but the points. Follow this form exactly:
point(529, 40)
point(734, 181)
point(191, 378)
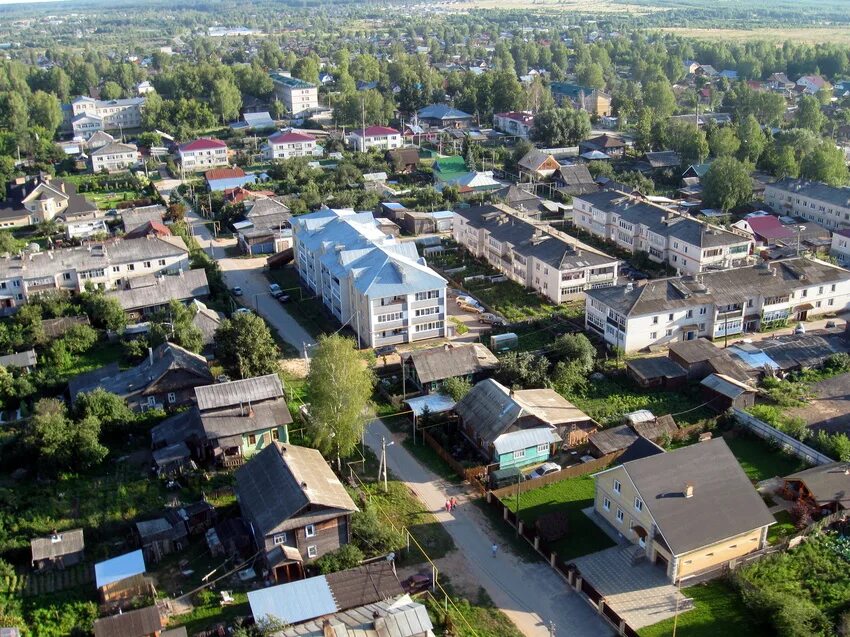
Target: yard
point(304, 307)
point(718, 609)
point(108, 192)
point(571, 495)
point(783, 528)
point(759, 460)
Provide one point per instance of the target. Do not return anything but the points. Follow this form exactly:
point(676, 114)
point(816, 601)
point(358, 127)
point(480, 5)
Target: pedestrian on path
point(453, 503)
point(448, 506)
point(493, 549)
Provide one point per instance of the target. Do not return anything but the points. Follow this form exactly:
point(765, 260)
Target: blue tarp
point(753, 358)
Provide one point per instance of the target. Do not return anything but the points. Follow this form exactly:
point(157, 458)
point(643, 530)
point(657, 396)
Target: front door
point(803, 315)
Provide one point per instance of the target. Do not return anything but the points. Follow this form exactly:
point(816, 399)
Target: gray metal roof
point(19, 359)
point(524, 439)
point(159, 290)
point(238, 392)
point(613, 439)
point(655, 367)
point(724, 503)
point(245, 418)
point(449, 361)
point(64, 543)
point(134, 217)
point(114, 148)
point(282, 480)
point(814, 190)
point(777, 278)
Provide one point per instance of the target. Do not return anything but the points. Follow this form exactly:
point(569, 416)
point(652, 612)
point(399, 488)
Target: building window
point(310, 530)
point(606, 504)
point(655, 320)
point(638, 504)
point(172, 397)
point(617, 486)
point(116, 268)
point(670, 317)
point(147, 264)
point(275, 434)
point(312, 551)
point(653, 335)
point(279, 538)
point(519, 453)
point(252, 439)
point(669, 332)
point(161, 262)
point(66, 276)
point(543, 448)
point(620, 516)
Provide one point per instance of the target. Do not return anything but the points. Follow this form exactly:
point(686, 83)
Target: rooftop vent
point(689, 490)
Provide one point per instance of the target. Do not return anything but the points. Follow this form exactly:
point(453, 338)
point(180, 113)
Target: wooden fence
point(470, 474)
point(786, 442)
point(566, 473)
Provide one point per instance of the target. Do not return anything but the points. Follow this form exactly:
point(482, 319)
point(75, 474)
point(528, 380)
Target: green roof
point(453, 164)
point(291, 82)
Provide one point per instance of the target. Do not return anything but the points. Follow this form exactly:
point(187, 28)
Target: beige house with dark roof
point(693, 510)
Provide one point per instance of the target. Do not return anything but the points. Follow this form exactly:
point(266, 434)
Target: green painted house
point(242, 417)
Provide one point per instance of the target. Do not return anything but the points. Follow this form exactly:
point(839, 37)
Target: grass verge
point(476, 617)
point(759, 460)
point(783, 528)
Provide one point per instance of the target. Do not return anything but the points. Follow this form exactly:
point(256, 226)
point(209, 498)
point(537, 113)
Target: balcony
point(416, 320)
point(395, 339)
point(417, 305)
point(387, 309)
point(595, 278)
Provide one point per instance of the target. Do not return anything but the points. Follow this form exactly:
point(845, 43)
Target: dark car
point(236, 291)
point(284, 298)
point(385, 350)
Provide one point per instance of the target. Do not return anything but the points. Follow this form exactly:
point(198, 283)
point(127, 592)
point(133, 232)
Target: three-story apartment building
point(716, 304)
point(87, 115)
point(554, 265)
point(812, 200)
point(298, 96)
point(202, 154)
point(106, 265)
point(371, 282)
point(688, 245)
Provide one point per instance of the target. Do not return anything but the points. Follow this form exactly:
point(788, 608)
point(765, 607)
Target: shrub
point(347, 556)
point(205, 597)
point(801, 515)
point(371, 535)
point(551, 527)
point(457, 388)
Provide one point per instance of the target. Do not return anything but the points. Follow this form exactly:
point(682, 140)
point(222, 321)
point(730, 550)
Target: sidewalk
point(529, 593)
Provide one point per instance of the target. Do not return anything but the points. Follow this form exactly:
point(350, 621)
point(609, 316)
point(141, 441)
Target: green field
point(718, 611)
point(571, 495)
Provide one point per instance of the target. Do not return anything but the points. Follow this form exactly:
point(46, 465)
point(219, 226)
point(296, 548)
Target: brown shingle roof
point(66, 543)
point(135, 623)
point(449, 361)
point(364, 585)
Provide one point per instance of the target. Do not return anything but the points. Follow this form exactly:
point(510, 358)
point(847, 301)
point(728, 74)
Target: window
point(670, 332)
point(66, 276)
point(655, 320)
point(832, 288)
point(312, 551)
point(172, 397)
point(670, 317)
point(386, 318)
point(151, 401)
point(690, 314)
point(620, 516)
point(702, 310)
point(147, 264)
point(606, 504)
point(617, 486)
point(519, 453)
point(279, 538)
point(543, 448)
point(161, 262)
point(310, 530)
point(116, 268)
point(428, 311)
point(427, 327)
point(131, 266)
point(275, 434)
point(653, 335)
point(252, 439)
point(430, 294)
point(638, 504)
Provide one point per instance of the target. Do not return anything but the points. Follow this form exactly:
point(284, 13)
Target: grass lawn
point(206, 617)
point(572, 496)
point(717, 610)
point(111, 199)
point(100, 355)
point(513, 301)
point(782, 529)
point(759, 460)
point(477, 617)
point(607, 400)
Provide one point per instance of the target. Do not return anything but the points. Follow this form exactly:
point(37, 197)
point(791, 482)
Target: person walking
point(453, 503)
point(448, 506)
point(493, 549)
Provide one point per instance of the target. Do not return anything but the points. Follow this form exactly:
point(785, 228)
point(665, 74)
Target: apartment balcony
point(416, 320)
point(730, 314)
point(395, 339)
point(421, 336)
point(377, 308)
point(418, 305)
point(596, 278)
point(391, 325)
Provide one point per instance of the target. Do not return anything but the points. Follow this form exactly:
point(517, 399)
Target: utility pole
point(382, 467)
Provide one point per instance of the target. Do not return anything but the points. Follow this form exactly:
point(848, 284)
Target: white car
point(468, 300)
point(543, 470)
point(242, 310)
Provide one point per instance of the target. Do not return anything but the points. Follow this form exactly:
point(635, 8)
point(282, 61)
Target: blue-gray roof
point(442, 112)
point(293, 602)
point(524, 439)
point(119, 568)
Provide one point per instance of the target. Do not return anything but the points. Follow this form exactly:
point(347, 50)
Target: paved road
point(529, 593)
point(248, 275)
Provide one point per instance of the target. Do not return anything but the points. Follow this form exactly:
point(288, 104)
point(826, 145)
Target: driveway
point(529, 593)
point(248, 275)
point(639, 592)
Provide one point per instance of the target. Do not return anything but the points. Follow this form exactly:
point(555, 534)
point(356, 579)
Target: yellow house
point(692, 510)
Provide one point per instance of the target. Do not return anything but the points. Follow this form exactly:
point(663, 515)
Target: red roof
point(290, 138)
point(203, 144)
point(224, 173)
point(235, 195)
point(149, 228)
point(519, 116)
point(376, 131)
point(769, 227)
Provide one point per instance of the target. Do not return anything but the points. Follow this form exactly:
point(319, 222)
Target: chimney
point(689, 490)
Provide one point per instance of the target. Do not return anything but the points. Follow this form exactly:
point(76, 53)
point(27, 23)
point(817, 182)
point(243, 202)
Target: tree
point(340, 390)
point(175, 325)
point(658, 96)
point(60, 442)
point(79, 338)
point(225, 100)
point(457, 387)
point(345, 557)
point(245, 346)
point(13, 113)
point(111, 91)
point(576, 348)
point(523, 369)
point(809, 114)
point(561, 127)
point(590, 75)
point(45, 111)
point(508, 94)
point(723, 142)
point(825, 163)
point(752, 140)
point(104, 311)
point(307, 69)
point(687, 140)
point(106, 408)
point(727, 184)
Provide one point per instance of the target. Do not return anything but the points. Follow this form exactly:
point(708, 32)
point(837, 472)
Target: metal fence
point(786, 442)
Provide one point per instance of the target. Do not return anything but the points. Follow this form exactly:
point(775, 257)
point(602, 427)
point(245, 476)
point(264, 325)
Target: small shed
point(724, 393)
point(693, 356)
point(172, 460)
point(826, 487)
point(657, 428)
point(58, 550)
point(656, 371)
point(118, 568)
point(144, 622)
point(160, 537)
point(613, 440)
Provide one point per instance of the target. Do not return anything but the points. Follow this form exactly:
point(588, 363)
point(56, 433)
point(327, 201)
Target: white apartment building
point(716, 304)
point(812, 200)
point(554, 265)
point(840, 248)
point(106, 265)
point(203, 154)
point(114, 157)
point(517, 123)
point(688, 245)
point(289, 144)
point(88, 115)
point(298, 96)
point(375, 137)
point(371, 282)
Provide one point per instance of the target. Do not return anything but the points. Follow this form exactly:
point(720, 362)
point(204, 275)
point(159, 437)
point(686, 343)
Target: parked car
point(800, 330)
point(236, 291)
point(466, 307)
point(241, 310)
point(284, 298)
point(544, 470)
point(385, 350)
point(468, 300)
point(505, 477)
point(275, 290)
point(492, 319)
point(831, 324)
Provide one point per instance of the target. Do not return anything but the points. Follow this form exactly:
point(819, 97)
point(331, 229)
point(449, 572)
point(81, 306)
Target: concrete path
point(248, 275)
point(529, 593)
